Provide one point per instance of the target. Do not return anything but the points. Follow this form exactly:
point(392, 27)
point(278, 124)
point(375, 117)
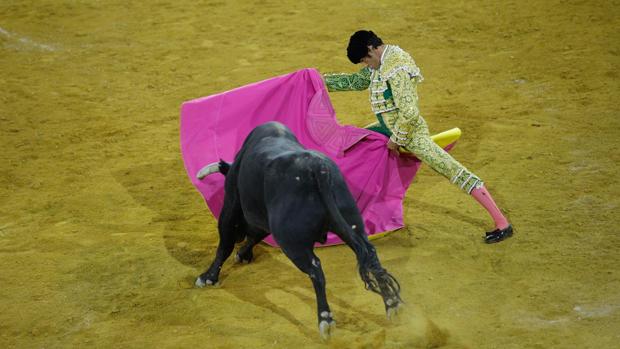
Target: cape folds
point(214, 128)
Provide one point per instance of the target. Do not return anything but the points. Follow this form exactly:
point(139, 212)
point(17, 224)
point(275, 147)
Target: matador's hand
point(393, 146)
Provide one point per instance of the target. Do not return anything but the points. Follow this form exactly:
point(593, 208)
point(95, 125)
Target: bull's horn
point(207, 170)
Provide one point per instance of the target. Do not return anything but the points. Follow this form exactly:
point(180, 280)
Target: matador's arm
point(347, 82)
point(404, 92)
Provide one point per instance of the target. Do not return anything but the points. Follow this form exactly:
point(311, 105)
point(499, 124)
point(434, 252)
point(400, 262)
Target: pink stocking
point(484, 198)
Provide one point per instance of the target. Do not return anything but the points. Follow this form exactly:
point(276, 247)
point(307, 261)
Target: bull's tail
point(221, 167)
point(372, 273)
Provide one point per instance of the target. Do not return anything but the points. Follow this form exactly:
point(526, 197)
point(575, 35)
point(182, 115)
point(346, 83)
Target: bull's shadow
point(254, 283)
point(190, 236)
point(164, 189)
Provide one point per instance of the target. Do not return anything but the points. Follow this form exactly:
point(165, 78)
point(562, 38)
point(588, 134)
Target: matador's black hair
point(358, 45)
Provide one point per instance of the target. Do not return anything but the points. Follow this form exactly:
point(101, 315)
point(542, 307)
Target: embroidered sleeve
point(347, 82)
point(405, 95)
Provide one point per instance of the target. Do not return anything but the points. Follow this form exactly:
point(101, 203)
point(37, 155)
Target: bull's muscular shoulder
point(395, 60)
point(274, 127)
point(271, 129)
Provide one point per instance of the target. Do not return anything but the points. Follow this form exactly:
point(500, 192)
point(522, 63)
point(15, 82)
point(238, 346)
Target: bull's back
point(267, 144)
point(305, 193)
point(275, 175)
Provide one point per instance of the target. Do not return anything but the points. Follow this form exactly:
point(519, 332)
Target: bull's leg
point(309, 263)
point(211, 276)
point(229, 221)
point(383, 283)
point(390, 292)
point(245, 254)
point(374, 276)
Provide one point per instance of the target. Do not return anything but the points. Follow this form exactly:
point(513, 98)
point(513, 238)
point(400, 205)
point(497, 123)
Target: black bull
point(276, 186)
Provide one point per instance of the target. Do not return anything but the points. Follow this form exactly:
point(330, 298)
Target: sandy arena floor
point(102, 234)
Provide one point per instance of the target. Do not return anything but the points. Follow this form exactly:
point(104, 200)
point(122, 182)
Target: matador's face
point(373, 60)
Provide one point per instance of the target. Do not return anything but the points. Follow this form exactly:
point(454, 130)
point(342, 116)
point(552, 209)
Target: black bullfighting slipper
point(498, 235)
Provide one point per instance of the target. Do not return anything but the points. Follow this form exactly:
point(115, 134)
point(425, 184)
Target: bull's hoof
point(200, 283)
point(326, 325)
point(242, 259)
point(325, 328)
point(392, 308)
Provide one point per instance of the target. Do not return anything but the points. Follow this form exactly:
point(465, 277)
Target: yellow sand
point(102, 234)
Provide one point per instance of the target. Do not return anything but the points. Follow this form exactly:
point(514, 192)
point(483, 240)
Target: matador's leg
point(439, 160)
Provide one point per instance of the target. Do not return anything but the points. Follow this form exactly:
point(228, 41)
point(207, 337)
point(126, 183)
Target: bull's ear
point(207, 170)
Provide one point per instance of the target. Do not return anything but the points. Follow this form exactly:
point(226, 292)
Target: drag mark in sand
point(26, 41)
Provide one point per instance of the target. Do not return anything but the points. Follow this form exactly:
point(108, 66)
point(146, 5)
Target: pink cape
point(214, 128)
